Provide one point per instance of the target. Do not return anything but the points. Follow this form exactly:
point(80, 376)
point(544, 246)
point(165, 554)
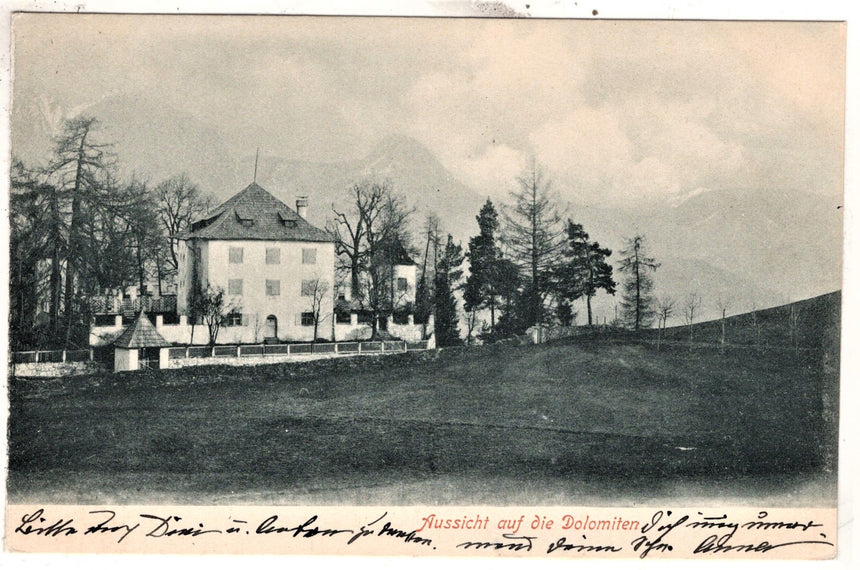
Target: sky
point(613, 110)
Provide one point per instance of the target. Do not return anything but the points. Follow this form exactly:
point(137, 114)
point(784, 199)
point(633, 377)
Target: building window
point(273, 256)
point(342, 317)
point(273, 287)
point(234, 286)
point(401, 318)
point(401, 284)
point(247, 223)
point(105, 320)
point(307, 319)
point(236, 254)
point(308, 286)
point(309, 256)
point(232, 319)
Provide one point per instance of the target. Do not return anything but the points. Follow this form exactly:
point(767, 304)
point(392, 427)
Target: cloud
point(611, 108)
point(494, 170)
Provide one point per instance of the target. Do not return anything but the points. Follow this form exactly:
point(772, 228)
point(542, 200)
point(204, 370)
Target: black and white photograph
point(301, 260)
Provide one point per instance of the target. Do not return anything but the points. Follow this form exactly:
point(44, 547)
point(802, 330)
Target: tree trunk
point(588, 304)
point(158, 272)
point(691, 330)
point(74, 238)
point(492, 314)
point(636, 270)
point(56, 280)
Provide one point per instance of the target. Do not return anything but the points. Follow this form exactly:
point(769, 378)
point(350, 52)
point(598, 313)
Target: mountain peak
point(400, 146)
point(677, 199)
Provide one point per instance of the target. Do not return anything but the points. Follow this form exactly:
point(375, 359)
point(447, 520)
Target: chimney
point(302, 206)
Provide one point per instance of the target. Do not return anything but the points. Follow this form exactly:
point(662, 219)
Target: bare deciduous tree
point(369, 237)
point(179, 202)
point(665, 309)
point(756, 324)
point(213, 307)
point(318, 291)
point(724, 303)
point(793, 321)
point(691, 309)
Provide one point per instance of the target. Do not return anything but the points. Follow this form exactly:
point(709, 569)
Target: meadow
point(579, 421)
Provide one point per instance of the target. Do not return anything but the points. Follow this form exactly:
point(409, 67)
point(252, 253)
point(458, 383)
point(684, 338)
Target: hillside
point(810, 325)
point(585, 421)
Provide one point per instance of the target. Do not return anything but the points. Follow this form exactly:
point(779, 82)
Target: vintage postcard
point(442, 287)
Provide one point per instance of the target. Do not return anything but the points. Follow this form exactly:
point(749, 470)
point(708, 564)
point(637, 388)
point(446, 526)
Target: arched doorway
point(271, 330)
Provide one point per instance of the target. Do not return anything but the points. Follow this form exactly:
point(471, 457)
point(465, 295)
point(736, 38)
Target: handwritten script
point(629, 533)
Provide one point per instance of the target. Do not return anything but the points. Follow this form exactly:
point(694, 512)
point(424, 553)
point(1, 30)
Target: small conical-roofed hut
point(140, 339)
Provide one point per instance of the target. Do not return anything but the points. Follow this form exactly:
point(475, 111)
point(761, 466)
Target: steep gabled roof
point(254, 214)
point(401, 256)
point(141, 334)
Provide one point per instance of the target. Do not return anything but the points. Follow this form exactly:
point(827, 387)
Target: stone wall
point(55, 369)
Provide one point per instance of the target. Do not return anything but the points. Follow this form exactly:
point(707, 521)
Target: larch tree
point(637, 305)
point(534, 237)
point(33, 237)
point(80, 168)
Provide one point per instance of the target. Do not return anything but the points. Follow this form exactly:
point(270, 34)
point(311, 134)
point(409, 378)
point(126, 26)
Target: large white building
point(277, 272)
point(276, 269)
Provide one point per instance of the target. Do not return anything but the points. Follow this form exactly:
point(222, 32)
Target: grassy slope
point(491, 424)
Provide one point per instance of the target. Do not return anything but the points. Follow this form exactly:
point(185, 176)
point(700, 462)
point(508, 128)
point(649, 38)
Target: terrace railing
point(109, 305)
point(34, 356)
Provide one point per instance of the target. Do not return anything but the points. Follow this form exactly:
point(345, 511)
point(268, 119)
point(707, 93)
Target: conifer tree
point(447, 280)
point(534, 237)
point(81, 167)
point(638, 303)
point(481, 290)
point(584, 269)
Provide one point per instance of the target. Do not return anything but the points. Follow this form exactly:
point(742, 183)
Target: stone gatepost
point(163, 357)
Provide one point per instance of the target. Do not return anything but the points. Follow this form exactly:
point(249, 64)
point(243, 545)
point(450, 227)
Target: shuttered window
point(236, 254)
point(232, 320)
point(307, 287)
point(273, 287)
point(234, 286)
point(309, 256)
